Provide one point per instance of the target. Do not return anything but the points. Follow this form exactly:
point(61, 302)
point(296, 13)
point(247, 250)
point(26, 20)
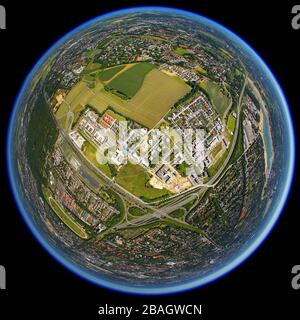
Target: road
point(166, 210)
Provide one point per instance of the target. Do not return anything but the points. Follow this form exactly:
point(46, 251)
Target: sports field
point(231, 123)
point(67, 219)
point(217, 95)
point(135, 179)
point(157, 95)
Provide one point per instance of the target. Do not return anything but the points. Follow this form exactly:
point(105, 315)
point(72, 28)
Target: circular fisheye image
point(150, 150)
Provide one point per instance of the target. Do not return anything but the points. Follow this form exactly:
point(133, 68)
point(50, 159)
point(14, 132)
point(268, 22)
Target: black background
point(36, 284)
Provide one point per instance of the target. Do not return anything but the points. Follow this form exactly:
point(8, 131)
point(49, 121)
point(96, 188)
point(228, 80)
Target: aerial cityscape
point(197, 169)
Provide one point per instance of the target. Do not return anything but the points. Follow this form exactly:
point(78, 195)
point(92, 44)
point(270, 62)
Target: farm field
point(158, 94)
point(129, 82)
point(107, 74)
point(219, 99)
point(135, 179)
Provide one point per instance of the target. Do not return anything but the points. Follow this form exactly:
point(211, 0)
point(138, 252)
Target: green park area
point(135, 179)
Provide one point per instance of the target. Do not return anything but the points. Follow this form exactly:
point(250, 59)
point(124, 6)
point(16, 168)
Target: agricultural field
point(92, 67)
point(217, 94)
point(129, 82)
point(158, 94)
point(135, 179)
point(107, 74)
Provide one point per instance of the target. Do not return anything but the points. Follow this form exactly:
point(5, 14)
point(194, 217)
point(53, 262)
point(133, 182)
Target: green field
point(159, 92)
point(107, 74)
point(67, 219)
point(231, 123)
point(130, 81)
point(135, 179)
point(217, 95)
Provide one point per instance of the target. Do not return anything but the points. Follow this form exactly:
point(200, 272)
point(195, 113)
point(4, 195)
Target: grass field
point(107, 74)
point(129, 82)
point(135, 179)
point(217, 96)
point(231, 123)
point(67, 219)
